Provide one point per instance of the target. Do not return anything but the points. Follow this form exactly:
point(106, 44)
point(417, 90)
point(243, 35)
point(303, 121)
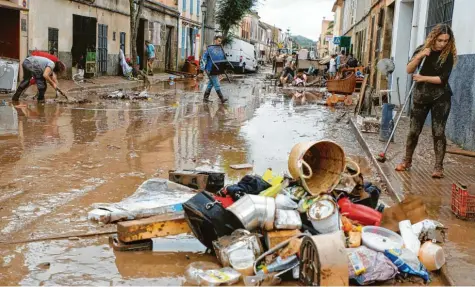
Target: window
point(191, 7)
point(184, 5)
point(439, 12)
point(198, 7)
point(53, 41)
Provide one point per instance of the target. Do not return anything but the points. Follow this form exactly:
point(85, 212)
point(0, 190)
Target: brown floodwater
point(68, 157)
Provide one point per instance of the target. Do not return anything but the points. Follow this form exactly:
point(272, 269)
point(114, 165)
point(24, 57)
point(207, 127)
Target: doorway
point(141, 43)
point(168, 48)
point(10, 36)
point(122, 41)
point(102, 48)
point(84, 39)
point(189, 47)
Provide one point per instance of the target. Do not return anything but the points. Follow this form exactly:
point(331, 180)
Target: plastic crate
point(463, 203)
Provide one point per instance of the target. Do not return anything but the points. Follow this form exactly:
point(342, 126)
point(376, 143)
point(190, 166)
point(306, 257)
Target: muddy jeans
point(31, 70)
point(440, 110)
point(213, 82)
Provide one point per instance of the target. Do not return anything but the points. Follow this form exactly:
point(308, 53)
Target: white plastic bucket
point(432, 256)
point(324, 216)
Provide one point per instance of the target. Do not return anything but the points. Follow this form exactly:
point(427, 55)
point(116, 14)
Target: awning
point(11, 5)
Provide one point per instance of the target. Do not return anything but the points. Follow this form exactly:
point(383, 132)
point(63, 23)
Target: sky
point(303, 17)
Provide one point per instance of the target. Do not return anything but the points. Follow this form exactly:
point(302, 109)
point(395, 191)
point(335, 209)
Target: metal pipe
point(177, 37)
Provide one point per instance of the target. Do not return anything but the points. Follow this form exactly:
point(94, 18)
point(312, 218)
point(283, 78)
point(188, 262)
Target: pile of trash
point(322, 225)
point(123, 95)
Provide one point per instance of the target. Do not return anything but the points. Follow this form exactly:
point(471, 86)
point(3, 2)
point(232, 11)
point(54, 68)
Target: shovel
point(62, 93)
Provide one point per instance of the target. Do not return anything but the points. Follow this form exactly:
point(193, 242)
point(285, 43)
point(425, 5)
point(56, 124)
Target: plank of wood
point(461, 152)
point(152, 227)
point(241, 166)
point(362, 92)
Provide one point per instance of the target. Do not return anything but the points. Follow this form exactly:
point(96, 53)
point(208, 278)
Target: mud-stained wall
point(44, 15)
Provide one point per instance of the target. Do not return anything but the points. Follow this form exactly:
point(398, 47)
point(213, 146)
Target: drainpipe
point(413, 45)
point(177, 37)
point(415, 25)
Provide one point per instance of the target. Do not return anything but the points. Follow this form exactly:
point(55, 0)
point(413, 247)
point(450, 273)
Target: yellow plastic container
point(275, 180)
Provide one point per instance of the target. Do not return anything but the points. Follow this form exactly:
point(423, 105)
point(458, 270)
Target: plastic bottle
point(357, 212)
point(279, 264)
point(410, 239)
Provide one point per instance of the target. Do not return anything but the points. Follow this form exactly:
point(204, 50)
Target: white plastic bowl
point(381, 239)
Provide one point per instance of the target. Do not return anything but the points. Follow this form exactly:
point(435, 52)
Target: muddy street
point(68, 157)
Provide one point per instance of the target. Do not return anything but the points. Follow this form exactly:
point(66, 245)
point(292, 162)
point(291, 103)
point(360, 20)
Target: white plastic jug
point(410, 239)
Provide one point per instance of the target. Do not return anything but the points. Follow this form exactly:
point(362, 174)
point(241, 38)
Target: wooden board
point(362, 92)
point(152, 227)
point(273, 238)
point(141, 245)
point(241, 166)
point(461, 152)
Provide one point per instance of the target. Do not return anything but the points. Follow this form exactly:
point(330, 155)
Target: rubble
point(127, 95)
point(263, 228)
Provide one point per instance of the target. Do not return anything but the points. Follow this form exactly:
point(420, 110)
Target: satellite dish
point(386, 67)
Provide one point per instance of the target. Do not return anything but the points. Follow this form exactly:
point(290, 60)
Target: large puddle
point(65, 158)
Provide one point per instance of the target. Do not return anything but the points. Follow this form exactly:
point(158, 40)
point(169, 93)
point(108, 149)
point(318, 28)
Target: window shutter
point(184, 5)
point(191, 7)
point(183, 43)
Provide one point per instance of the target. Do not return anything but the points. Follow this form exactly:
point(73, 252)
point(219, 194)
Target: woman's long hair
point(438, 30)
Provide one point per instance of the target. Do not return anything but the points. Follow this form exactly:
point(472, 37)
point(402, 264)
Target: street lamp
point(203, 27)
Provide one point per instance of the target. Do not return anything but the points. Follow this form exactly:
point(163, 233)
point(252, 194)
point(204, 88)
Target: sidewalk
point(436, 193)
point(104, 82)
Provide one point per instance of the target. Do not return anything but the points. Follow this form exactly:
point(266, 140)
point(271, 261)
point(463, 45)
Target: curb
point(110, 85)
point(391, 187)
point(389, 184)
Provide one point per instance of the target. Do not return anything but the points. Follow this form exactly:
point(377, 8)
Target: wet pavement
point(436, 193)
point(68, 157)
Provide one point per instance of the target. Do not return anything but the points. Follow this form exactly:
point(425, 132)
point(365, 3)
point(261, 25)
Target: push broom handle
point(402, 109)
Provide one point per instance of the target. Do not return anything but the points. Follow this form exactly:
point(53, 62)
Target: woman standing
point(431, 93)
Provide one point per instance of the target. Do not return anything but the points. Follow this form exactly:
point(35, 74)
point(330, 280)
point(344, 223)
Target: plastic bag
point(428, 229)
point(285, 203)
point(224, 275)
point(155, 196)
point(287, 219)
point(407, 262)
point(367, 266)
point(193, 271)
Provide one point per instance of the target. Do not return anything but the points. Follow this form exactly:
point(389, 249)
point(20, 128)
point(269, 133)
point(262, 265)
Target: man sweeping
point(42, 70)
point(207, 66)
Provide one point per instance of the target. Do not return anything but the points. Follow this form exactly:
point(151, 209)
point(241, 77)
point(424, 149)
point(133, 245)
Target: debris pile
point(124, 95)
point(320, 225)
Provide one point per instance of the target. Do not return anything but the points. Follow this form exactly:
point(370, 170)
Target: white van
point(242, 55)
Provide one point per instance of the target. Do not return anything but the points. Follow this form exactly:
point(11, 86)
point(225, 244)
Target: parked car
point(242, 55)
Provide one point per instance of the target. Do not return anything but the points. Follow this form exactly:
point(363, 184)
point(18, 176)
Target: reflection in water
point(84, 125)
point(104, 150)
point(132, 133)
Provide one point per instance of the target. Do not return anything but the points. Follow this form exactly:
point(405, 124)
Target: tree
point(230, 12)
point(136, 7)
